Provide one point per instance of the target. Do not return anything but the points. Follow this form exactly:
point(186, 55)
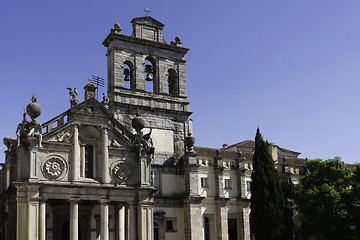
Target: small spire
point(147, 11)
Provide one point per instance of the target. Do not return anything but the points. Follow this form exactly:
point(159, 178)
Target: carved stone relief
point(54, 168)
point(120, 171)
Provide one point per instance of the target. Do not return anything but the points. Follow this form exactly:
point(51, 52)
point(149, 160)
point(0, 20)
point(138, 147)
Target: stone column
point(74, 219)
point(120, 222)
point(42, 220)
point(105, 165)
point(76, 155)
point(104, 225)
point(132, 232)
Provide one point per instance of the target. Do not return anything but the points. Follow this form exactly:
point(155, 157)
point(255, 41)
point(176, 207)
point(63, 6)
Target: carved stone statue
point(23, 128)
point(10, 143)
point(105, 101)
point(73, 97)
point(33, 129)
point(145, 143)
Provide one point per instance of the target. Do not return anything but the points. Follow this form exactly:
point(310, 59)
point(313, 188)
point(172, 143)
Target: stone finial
point(177, 42)
point(90, 89)
point(138, 122)
point(116, 29)
point(189, 142)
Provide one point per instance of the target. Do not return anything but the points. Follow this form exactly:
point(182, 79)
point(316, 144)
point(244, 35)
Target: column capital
point(74, 200)
point(104, 201)
point(120, 205)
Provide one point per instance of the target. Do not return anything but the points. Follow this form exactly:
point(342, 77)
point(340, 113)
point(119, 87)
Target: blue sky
point(290, 67)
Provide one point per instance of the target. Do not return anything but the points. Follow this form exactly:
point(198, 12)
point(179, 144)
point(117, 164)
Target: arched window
point(172, 82)
point(150, 74)
point(128, 75)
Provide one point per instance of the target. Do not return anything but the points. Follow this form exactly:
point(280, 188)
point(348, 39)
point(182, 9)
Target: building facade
point(126, 168)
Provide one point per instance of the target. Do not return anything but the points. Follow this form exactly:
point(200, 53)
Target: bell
point(149, 72)
point(127, 75)
point(149, 77)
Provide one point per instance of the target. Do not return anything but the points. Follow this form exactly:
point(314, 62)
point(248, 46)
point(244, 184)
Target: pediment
point(88, 134)
point(147, 20)
point(91, 107)
point(90, 117)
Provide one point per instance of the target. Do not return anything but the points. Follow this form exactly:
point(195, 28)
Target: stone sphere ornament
point(33, 109)
point(138, 122)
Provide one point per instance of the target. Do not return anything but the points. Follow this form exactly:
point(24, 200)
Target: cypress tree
point(267, 198)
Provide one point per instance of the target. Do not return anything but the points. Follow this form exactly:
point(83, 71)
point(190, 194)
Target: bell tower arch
point(156, 72)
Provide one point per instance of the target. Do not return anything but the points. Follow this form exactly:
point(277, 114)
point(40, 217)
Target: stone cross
point(147, 11)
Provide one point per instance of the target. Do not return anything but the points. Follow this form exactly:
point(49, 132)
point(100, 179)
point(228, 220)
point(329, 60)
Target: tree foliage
point(268, 203)
point(327, 200)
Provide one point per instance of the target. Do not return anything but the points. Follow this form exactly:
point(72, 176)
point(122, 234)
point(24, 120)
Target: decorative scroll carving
point(115, 143)
point(63, 136)
point(54, 168)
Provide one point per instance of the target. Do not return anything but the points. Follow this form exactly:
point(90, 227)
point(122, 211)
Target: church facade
point(126, 168)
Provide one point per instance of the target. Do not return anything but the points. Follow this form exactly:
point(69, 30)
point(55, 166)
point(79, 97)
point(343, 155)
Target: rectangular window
point(207, 228)
point(152, 178)
point(89, 161)
point(170, 225)
point(248, 186)
point(204, 182)
point(227, 184)
point(155, 179)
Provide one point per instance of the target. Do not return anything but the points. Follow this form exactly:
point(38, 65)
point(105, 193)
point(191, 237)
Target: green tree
point(268, 203)
point(324, 199)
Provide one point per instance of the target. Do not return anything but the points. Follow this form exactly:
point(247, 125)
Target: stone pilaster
point(75, 164)
point(105, 151)
point(145, 222)
point(193, 219)
point(139, 72)
point(245, 220)
point(27, 213)
point(221, 211)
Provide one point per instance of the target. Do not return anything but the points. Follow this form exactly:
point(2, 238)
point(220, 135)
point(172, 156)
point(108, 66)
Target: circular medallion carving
point(121, 171)
point(53, 168)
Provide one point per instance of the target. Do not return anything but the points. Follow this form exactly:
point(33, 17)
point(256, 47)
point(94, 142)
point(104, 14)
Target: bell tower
point(147, 74)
